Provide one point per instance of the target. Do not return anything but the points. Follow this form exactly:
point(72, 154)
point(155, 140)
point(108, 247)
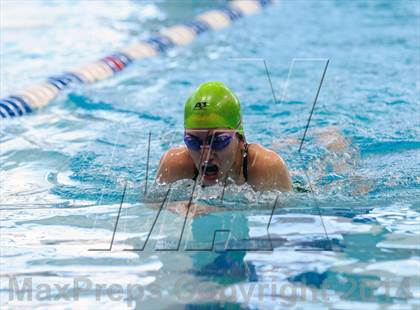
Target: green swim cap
point(213, 105)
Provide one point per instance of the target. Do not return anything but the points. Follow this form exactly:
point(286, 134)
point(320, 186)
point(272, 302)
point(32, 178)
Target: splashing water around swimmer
point(63, 170)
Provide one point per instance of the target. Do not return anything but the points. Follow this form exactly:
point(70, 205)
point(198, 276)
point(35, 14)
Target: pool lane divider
point(40, 95)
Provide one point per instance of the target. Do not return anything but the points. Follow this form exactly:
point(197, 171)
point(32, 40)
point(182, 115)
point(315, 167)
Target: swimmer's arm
point(281, 180)
point(270, 173)
point(181, 208)
point(176, 164)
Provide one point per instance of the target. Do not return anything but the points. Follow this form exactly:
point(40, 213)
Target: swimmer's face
point(213, 163)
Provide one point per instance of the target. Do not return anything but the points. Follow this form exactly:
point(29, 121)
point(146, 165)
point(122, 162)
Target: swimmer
point(216, 149)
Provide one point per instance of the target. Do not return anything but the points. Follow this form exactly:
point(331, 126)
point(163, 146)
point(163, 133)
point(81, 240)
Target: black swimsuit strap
point(195, 173)
point(244, 165)
point(245, 162)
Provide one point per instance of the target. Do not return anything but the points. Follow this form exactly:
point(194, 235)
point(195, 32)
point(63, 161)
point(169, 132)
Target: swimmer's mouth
point(210, 170)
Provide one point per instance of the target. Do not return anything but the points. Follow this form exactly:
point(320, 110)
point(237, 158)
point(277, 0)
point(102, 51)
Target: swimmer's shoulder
point(175, 164)
point(260, 156)
point(267, 169)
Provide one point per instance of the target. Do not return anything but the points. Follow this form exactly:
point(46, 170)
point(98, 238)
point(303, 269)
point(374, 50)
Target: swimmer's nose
point(206, 152)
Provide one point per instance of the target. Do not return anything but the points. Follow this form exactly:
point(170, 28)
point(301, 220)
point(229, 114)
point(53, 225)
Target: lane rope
point(38, 96)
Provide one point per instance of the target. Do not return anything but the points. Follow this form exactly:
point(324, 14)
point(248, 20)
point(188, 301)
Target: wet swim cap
point(213, 105)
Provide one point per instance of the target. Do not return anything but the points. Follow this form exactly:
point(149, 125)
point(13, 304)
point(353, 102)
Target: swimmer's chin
point(207, 183)
point(210, 180)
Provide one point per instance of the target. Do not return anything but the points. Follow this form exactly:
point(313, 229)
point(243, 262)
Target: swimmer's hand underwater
point(216, 147)
point(186, 208)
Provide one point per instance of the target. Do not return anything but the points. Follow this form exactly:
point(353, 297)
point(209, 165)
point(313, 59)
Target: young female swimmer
point(216, 148)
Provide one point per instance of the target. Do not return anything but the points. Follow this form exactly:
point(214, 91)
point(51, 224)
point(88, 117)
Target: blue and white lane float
point(40, 95)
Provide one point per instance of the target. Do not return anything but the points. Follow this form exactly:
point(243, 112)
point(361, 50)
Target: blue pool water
point(63, 169)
